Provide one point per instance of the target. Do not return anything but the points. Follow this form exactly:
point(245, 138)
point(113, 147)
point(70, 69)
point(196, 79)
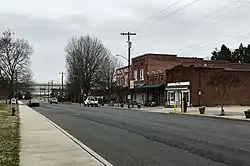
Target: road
point(134, 138)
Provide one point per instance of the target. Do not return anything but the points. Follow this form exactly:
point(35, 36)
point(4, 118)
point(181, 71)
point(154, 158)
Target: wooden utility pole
point(62, 73)
point(48, 92)
point(129, 53)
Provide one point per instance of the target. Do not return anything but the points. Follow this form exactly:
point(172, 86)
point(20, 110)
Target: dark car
point(33, 103)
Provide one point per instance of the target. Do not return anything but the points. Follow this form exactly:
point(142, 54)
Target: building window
point(155, 79)
point(161, 78)
point(141, 74)
point(135, 75)
point(171, 96)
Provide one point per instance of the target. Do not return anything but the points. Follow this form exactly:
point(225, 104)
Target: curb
point(79, 143)
point(211, 117)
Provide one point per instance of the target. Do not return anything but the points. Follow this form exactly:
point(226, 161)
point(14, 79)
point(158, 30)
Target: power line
point(175, 12)
point(224, 8)
point(158, 13)
point(215, 42)
point(166, 8)
point(180, 9)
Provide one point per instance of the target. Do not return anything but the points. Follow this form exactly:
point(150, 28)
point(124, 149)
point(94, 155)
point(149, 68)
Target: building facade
point(43, 90)
point(192, 82)
point(148, 73)
point(167, 79)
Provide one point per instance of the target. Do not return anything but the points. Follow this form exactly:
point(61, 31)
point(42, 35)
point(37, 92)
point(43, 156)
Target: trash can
point(139, 105)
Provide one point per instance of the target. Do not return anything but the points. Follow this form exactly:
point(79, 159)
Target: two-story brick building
point(149, 76)
point(165, 79)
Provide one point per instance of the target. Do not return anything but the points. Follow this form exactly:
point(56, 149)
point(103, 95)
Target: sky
point(188, 28)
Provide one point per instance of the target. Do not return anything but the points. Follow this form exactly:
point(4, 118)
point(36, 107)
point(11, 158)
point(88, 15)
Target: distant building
point(42, 89)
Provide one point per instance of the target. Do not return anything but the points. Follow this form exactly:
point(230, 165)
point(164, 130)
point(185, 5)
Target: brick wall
point(199, 78)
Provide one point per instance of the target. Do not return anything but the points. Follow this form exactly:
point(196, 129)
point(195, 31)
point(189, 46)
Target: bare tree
point(14, 59)
point(108, 82)
point(224, 84)
point(86, 57)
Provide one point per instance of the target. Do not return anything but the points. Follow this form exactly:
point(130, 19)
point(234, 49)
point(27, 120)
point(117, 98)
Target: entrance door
point(186, 94)
point(178, 98)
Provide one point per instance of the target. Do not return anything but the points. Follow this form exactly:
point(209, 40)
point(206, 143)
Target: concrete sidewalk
point(43, 143)
point(159, 109)
point(232, 112)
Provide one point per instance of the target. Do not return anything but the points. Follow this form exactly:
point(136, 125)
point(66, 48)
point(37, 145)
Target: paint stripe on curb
point(79, 143)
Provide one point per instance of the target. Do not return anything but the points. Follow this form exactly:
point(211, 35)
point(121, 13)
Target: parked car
point(91, 102)
point(33, 103)
point(13, 101)
point(53, 100)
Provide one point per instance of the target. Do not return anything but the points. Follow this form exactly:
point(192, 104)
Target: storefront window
point(171, 96)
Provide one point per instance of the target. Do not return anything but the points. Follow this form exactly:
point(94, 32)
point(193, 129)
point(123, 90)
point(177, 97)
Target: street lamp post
point(122, 57)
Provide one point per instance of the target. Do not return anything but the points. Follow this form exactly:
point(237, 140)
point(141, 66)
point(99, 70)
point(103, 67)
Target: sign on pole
point(132, 84)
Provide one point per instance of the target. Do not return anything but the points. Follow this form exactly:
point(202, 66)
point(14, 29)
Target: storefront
point(176, 92)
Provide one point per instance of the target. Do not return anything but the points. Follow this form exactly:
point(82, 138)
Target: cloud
point(193, 31)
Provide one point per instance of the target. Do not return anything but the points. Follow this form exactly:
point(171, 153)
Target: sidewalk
point(159, 109)
point(43, 144)
point(232, 112)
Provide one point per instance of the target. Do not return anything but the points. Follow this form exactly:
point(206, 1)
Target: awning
point(153, 86)
point(139, 85)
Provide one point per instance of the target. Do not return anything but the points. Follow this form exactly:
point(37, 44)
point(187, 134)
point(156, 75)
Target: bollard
point(182, 107)
point(174, 107)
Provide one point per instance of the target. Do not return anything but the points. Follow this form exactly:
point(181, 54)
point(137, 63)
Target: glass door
point(186, 94)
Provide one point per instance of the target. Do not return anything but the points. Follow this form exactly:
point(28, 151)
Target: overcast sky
point(184, 27)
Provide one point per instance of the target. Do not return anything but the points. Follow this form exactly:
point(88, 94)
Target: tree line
point(15, 72)
point(238, 55)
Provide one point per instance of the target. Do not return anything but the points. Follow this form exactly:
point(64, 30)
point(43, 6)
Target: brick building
point(165, 79)
point(149, 76)
point(192, 82)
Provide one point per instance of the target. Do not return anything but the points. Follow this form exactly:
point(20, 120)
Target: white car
point(53, 100)
point(13, 101)
point(91, 102)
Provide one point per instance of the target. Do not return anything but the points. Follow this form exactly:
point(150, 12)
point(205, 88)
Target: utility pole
point(48, 92)
point(52, 84)
point(16, 86)
point(129, 53)
point(62, 73)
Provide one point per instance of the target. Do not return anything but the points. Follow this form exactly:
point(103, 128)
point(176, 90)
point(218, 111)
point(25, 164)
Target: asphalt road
point(134, 138)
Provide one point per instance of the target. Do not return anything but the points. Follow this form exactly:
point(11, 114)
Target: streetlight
point(122, 57)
